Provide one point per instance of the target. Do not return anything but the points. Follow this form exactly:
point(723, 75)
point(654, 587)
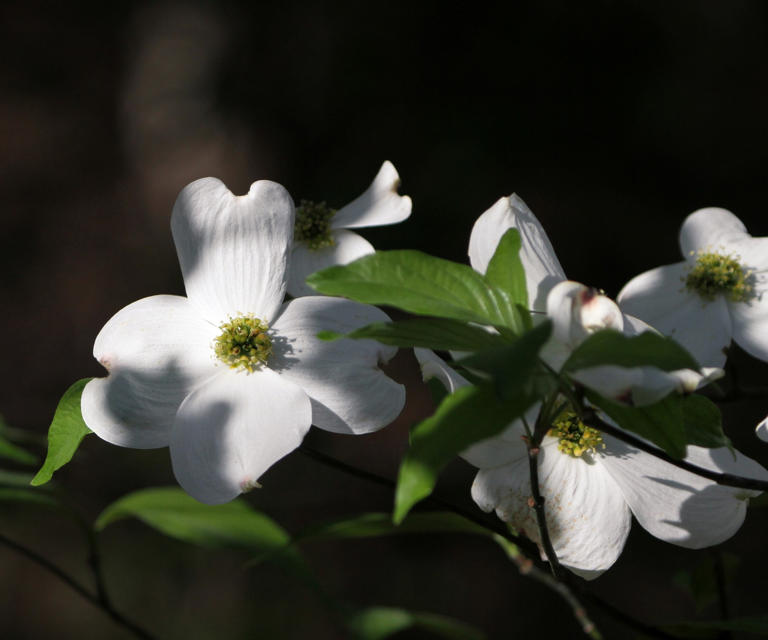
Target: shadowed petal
point(750, 325)
point(347, 246)
point(542, 268)
point(660, 298)
point(587, 518)
point(379, 205)
point(675, 505)
point(156, 351)
point(234, 427)
point(233, 250)
point(349, 393)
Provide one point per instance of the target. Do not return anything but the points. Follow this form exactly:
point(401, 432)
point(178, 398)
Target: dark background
point(613, 120)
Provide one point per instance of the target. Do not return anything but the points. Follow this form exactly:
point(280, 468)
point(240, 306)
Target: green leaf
point(29, 496)
point(610, 347)
point(234, 525)
point(703, 423)
point(505, 270)
point(662, 423)
point(421, 284)
point(65, 433)
point(429, 333)
point(10, 451)
point(470, 414)
point(377, 623)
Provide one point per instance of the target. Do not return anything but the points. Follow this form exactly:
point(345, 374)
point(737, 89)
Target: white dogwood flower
point(592, 483)
point(716, 294)
point(322, 236)
point(229, 377)
point(575, 310)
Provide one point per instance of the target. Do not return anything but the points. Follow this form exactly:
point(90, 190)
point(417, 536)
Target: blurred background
point(612, 120)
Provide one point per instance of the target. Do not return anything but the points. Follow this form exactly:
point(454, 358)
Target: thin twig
point(718, 567)
point(499, 528)
point(104, 605)
point(526, 567)
point(725, 479)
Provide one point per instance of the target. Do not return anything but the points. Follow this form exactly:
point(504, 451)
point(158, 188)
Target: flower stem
point(99, 601)
point(725, 479)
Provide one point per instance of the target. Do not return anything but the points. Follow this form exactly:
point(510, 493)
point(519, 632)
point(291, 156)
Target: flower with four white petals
point(592, 482)
point(717, 293)
point(230, 377)
point(323, 237)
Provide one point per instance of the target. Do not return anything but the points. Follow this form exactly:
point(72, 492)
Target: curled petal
point(577, 311)
point(761, 431)
point(587, 518)
point(660, 298)
point(233, 250)
point(433, 366)
point(347, 246)
point(639, 386)
point(156, 351)
point(542, 268)
point(230, 430)
point(379, 205)
point(675, 505)
point(349, 393)
point(710, 229)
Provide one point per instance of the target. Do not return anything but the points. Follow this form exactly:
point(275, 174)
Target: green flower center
point(715, 273)
point(244, 342)
point(575, 437)
point(313, 224)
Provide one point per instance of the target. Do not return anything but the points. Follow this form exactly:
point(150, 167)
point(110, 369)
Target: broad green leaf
point(505, 270)
point(234, 525)
point(429, 333)
point(703, 423)
point(512, 364)
point(10, 451)
point(377, 623)
point(65, 433)
point(646, 349)
point(470, 414)
point(662, 423)
point(421, 284)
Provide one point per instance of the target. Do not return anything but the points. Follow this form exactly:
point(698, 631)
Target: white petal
point(660, 298)
point(587, 517)
point(710, 229)
point(542, 268)
point(233, 250)
point(156, 351)
point(433, 366)
point(234, 427)
point(379, 205)
point(761, 430)
point(577, 311)
point(349, 393)
point(347, 246)
point(750, 325)
point(675, 505)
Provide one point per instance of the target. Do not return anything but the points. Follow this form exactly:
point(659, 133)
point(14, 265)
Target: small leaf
point(505, 270)
point(470, 414)
point(377, 623)
point(662, 423)
point(429, 333)
point(421, 284)
point(609, 347)
point(65, 433)
point(703, 423)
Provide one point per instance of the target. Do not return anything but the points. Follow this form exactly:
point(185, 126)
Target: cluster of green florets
point(244, 342)
point(313, 224)
point(715, 273)
point(575, 437)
